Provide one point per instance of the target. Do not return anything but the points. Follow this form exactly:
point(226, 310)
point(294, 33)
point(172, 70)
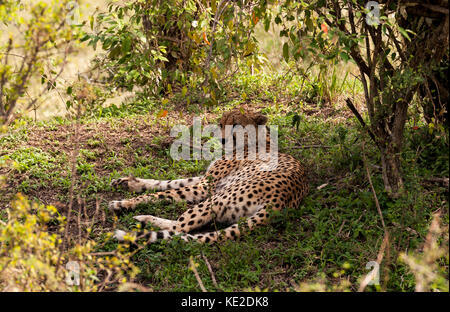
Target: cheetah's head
point(239, 117)
point(243, 118)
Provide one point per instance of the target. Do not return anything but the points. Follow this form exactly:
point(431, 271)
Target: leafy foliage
point(38, 48)
point(162, 45)
point(33, 256)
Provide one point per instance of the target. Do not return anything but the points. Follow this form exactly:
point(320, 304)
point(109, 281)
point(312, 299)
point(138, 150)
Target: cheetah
point(231, 189)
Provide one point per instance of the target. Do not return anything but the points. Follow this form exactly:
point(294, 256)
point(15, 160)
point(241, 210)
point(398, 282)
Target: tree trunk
point(392, 177)
point(391, 142)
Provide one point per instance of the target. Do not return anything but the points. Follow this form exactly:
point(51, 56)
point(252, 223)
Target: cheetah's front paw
point(122, 182)
point(128, 183)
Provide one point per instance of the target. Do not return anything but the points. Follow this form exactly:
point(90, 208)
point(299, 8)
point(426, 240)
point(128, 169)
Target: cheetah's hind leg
point(230, 233)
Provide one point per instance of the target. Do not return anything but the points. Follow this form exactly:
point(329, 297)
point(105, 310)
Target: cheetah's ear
point(260, 119)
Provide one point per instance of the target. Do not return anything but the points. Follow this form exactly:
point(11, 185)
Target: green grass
point(333, 233)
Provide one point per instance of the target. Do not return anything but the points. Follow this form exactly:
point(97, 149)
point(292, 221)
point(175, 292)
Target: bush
point(34, 256)
point(158, 46)
point(42, 34)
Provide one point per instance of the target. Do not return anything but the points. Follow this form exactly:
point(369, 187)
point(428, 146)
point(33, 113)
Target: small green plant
point(35, 254)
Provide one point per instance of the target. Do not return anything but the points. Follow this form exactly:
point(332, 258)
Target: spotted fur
point(229, 190)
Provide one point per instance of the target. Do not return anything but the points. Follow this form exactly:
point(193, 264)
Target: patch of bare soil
point(121, 137)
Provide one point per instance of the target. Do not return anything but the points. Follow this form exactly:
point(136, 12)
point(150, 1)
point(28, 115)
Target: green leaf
point(126, 45)
point(404, 33)
point(85, 37)
point(309, 24)
point(266, 24)
point(344, 56)
point(286, 52)
point(114, 52)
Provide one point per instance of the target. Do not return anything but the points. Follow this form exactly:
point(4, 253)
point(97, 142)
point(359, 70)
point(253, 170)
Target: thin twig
point(73, 167)
point(73, 162)
point(213, 277)
point(361, 120)
point(443, 181)
point(79, 219)
point(369, 277)
point(86, 216)
point(97, 207)
point(340, 228)
point(436, 8)
point(103, 217)
point(197, 277)
point(103, 253)
point(219, 10)
point(106, 281)
point(377, 203)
